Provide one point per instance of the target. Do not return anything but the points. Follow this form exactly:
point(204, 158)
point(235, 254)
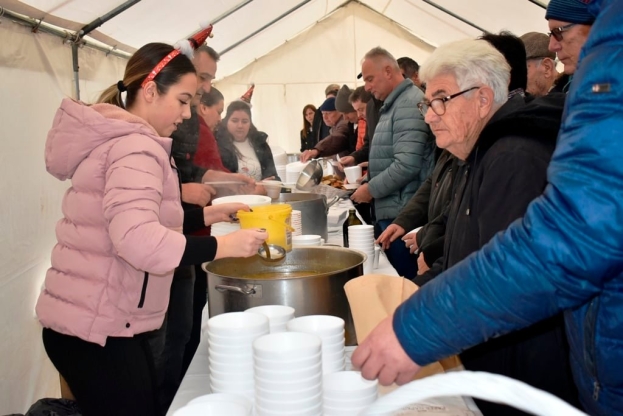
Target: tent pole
point(88, 29)
point(103, 19)
point(67, 36)
point(74, 59)
point(456, 16)
point(272, 22)
point(538, 3)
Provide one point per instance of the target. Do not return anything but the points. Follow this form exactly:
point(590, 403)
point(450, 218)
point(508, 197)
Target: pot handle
point(332, 202)
point(225, 288)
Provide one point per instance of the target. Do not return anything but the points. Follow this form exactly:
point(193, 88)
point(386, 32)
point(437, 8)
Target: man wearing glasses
point(569, 23)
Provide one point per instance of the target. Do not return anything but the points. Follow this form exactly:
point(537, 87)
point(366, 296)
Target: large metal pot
point(314, 209)
point(311, 280)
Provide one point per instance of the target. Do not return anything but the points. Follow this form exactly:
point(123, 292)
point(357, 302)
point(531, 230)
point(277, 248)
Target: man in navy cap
point(569, 23)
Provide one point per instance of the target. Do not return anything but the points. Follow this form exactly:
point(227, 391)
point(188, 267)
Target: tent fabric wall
point(296, 73)
point(36, 74)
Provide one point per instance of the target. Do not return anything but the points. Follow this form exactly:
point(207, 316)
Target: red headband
point(187, 46)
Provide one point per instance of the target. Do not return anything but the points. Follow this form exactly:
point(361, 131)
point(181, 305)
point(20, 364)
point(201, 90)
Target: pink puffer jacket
point(120, 238)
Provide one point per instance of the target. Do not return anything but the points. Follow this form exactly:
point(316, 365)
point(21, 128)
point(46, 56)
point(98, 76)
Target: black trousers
point(117, 379)
point(200, 298)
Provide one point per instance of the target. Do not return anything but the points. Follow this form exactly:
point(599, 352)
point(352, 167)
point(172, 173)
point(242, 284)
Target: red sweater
point(207, 155)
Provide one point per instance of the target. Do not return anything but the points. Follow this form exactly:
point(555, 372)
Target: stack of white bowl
point(293, 170)
point(361, 238)
point(230, 341)
point(330, 329)
point(296, 222)
point(347, 393)
point(288, 375)
point(281, 171)
point(278, 316)
point(307, 240)
point(217, 404)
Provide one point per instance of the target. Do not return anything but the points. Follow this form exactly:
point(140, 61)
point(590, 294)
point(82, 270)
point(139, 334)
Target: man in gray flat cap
point(541, 63)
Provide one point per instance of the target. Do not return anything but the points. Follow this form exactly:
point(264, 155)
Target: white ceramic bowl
point(250, 200)
point(230, 354)
point(350, 383)
point(295, 405)
point(314, 411)
point(224, 397)
point(231, 366)
point(321, 325)
point(238, 323)
point(227, 376)
point(333, 339)
point(218, 356)
point(224, 338)
point(233, 348)
point(232, 386)
point(278, 328)
point(361, 228)
point(289, 395)
point(307, 239)
point(277, 314)
point(286, 346)
point(331, 350)
point(213, 409)
point(287, 374)
point(303, 362)
point(276, 385)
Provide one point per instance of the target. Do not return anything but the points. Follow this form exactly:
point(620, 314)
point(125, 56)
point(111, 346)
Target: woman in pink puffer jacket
point(121, 236)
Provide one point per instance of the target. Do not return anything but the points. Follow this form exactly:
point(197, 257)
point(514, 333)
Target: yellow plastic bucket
point(275, 219)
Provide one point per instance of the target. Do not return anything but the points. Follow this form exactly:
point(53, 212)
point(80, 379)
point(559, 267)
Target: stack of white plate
point(296, 222)
point(217, 404)
point(230, 340)
point(278, 316)
point(306, 240)
point(288, 375)
point(330, 329)
point(293, 170)
point(361, 238)
point(347, 393)
point(222, 228)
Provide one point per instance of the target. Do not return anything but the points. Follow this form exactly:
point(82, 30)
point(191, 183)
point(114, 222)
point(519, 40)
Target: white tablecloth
point(196, 382)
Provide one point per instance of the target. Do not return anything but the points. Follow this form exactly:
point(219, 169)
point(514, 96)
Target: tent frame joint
point(35, 28)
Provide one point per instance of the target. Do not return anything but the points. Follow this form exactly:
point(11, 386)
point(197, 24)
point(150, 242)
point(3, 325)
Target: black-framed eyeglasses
point(438, 105)
point(558, 31)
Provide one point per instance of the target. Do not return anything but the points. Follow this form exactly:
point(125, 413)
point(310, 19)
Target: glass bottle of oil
point(351, 220)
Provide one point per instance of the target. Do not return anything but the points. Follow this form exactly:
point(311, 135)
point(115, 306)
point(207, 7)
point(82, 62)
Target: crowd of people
point(505, 170)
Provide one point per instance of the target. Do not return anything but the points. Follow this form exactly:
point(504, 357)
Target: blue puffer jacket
point(566, 253)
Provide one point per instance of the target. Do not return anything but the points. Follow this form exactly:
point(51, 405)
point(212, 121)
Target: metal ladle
point(310, 176)
point(265, 251)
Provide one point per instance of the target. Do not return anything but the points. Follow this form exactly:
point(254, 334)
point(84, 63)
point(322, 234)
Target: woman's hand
point(197, 193)
point(241, 243)
point(222, 213)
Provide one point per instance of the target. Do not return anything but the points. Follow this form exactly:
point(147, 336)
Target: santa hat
point(246, 97)
point(185, 46)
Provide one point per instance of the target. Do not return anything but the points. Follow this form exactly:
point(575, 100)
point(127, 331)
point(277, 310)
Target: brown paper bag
point(374, 297)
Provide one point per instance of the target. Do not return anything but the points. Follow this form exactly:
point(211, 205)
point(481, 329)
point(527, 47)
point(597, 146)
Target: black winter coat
point(505, 171)
point(428, 204)
point(259, 142)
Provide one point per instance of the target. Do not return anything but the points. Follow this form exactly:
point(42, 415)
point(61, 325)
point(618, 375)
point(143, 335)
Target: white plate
point(349, 186)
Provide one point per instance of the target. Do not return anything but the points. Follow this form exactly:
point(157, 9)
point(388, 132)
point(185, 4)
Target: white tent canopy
point(291, 49)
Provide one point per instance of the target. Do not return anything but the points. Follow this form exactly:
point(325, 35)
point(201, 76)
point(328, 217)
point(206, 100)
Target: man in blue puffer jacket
point(565, 254)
